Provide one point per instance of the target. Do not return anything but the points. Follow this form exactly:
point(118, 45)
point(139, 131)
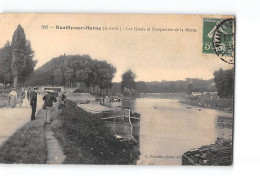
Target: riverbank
point(28, 144)
point(200, 102)
point(164, 95)
point(220, 104)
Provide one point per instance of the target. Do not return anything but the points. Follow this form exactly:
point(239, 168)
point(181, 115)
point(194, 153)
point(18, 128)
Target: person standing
point(49, 98)
point(25, 100)
point(28, 94)
point(37, 89)
point(33, 102)
point(23, 95)
point(62, 102)
point(12, 97)
point(63, 97)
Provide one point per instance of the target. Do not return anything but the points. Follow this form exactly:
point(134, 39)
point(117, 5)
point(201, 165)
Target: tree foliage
point(180, 86)
point(128, 81)
point(190, 88)
point(5, 64)
point(16, 59)
point(224, 80)
point(74, 69)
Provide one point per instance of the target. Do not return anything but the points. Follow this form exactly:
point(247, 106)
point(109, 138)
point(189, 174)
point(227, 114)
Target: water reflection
point(168, 129)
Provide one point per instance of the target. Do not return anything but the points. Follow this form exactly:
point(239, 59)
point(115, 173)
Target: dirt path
point(12, 119)
point(55, 153)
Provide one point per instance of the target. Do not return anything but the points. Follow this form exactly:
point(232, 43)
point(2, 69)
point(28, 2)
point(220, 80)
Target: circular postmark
point(224, 40)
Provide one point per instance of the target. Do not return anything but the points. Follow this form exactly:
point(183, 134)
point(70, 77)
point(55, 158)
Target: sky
point(151, 55)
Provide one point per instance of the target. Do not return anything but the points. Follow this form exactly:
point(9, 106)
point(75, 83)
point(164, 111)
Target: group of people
point(30, 96)
point(24, 98)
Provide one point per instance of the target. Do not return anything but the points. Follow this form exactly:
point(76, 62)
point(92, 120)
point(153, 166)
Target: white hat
point(49, 91)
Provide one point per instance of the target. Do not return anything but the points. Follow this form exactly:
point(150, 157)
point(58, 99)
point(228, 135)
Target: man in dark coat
point(49, 98)
point(33, 102)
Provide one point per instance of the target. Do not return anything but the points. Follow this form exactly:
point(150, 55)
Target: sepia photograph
point(117, 89)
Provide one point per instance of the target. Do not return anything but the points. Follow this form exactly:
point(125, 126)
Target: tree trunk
point(14, 70)
point(103, 96)
point(15, 81)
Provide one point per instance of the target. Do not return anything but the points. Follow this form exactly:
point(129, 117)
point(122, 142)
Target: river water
point(168, 129)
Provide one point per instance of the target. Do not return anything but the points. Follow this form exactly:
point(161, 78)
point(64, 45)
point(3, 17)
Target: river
point(168, 129)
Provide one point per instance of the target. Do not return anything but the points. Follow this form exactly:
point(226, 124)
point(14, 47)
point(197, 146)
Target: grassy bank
point(27, 145)
point(86, 140)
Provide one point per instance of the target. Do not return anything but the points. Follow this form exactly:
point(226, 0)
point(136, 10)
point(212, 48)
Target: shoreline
point(196, 103)
point(206, 103)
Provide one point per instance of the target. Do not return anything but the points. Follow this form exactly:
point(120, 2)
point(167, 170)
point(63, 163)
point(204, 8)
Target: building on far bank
point(196, 93)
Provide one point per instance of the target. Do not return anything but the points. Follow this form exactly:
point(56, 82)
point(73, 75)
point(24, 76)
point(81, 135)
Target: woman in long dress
point(12, 97)
point(24, 101)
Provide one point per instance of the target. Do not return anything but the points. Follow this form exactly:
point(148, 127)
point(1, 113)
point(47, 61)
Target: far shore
point(219, 104)
point(222, 104)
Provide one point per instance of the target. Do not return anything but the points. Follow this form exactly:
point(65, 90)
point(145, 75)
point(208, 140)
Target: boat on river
point(121, 120)
point(219, 154)
point(112, 102)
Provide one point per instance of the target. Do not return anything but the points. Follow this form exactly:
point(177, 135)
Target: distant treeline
point(96, 76)
point(183, 86)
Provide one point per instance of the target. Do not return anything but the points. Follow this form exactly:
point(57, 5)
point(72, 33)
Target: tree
point(68, 74)
point(224, 82)
point(128, 81)
point(29, 63)
point(5, 64)
point(141, 87)
point(190, 88)
point(106, 74)
point(22, 57)
point(71, 69)
point(58, 77)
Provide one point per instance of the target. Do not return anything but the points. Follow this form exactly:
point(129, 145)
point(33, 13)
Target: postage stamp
point(218, 38)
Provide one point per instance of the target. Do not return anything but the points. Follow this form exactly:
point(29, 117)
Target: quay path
point(11, 119)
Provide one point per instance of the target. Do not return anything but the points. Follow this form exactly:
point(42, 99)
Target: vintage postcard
point(117, 89)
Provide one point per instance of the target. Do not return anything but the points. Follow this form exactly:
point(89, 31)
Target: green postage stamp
point(218, 38)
